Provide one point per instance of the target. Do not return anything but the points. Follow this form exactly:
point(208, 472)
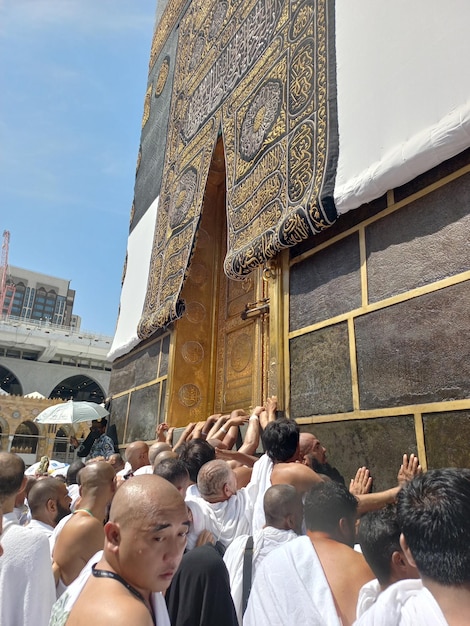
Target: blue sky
point(73, 76)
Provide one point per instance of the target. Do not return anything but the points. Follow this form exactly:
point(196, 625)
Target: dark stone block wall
point(416, 351)
point(379, 444)
point(140, 367)
point(333, 276)
point(320, 364)
point(421, 243)
point(447, 436)
point(411, 341)
point(118, 415)
point(145, 406)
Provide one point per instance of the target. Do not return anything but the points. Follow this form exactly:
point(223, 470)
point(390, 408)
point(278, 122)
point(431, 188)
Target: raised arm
point(239, 458)
point(215, 430)
point(160, 432)
point(373, 501)
point(232, 426)
point(252, 435)
point(235, 419)
point(184, 435)
point(270, 414)
point(209, 425)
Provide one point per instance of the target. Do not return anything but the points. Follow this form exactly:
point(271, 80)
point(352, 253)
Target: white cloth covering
point(291, 588)
point(406, 603)
point(368, 595)
point(64, 605)
point(264, 541)
point(146, 469)
point(134, 288)
point(225, 520)
point(125, 471)
point(57, 530)
point(258, 485)
point(46, 529)
point(192, 491)
point(419, 50)
point(74, 493)
point(27, 589)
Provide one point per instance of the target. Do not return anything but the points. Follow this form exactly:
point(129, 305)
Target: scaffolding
point(7, 288)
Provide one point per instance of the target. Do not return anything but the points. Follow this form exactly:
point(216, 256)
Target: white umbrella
point(71, 413)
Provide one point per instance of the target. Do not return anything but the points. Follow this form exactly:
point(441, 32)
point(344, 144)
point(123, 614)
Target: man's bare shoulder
point(296, 474)
point(119, 609)
point(79, 525)
point(81, 536)
point(343, 558)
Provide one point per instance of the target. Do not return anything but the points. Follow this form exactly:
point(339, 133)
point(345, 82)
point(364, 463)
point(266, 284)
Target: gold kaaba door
point(223, 354)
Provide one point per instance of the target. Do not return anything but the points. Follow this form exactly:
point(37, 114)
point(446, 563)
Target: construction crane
point(7, 288)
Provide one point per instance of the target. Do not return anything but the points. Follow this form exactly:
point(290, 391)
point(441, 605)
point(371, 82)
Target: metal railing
point(15, 321)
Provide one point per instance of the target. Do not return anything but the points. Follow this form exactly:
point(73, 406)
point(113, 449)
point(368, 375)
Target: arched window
point(59, 453)
point(44, 304)
point(25, 440)
point(9, 382)
point(80, 388)
point(18, 299)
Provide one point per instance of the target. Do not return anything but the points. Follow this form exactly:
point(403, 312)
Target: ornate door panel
point(219, 353)
point(241, 344)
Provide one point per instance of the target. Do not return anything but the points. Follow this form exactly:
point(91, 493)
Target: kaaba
point(300, 226)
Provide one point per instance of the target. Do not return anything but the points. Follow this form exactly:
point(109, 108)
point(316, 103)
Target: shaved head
point(143, 498)
point(49, 500)
point(43, 490)
point(309, 444)
point(163, 456)
point(306, 443)
point(11, 474)
point(146, 533)
point(137, 454)
point(116, 461)
point(281, 502)
point(156, 448)
point(95, 476)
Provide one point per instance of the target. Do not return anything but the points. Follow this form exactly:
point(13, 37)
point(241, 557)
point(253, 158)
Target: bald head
point(164, 456)
point(283, 508)
point(309, 444)
point(42, 491)
point(96, 476)
point(11, 474)
point(156, 448)
point(146, 533)
point(49, 501)
point(137, 454)
point(142, 499)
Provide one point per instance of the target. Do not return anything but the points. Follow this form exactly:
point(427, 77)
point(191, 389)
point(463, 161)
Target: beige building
point(42, 298)
point(45, 355)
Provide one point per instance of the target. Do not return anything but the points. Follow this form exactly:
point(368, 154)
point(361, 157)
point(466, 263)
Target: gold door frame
point(213, 349)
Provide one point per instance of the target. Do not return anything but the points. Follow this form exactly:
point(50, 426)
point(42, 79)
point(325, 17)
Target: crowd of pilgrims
point(216, 529)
